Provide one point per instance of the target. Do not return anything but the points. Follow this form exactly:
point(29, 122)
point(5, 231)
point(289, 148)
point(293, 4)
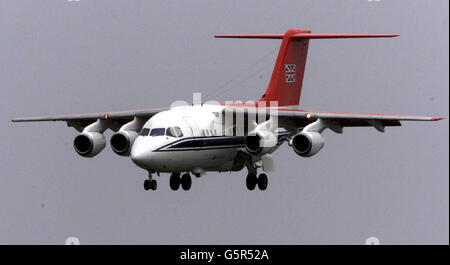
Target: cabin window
point(144, 131)
point(157, 132)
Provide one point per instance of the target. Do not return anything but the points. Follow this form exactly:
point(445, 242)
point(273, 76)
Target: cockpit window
point(178, 131)
point(174, 132)
point(157, 132)
point(144, 131)
point(171, 132)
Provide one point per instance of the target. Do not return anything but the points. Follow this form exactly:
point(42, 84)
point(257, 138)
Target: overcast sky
point(61, 57)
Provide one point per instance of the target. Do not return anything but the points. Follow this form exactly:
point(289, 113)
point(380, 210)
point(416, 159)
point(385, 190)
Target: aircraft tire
point(147, 184)
point(186, 181)
point(251, 181)
point(262, 181)
point(153, 184)
point(175, 181)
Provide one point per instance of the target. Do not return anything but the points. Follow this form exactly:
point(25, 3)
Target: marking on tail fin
point(289, 68)
point(290, 78)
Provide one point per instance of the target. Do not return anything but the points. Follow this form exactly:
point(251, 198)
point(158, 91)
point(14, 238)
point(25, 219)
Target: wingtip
point(17, 119)
point(436, 118)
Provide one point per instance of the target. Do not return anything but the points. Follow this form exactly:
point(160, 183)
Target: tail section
point(285, 85)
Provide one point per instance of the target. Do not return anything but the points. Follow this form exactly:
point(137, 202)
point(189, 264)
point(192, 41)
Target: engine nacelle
point(89, 144)
point(122, 141)
point(307, 144)
point(260, 142)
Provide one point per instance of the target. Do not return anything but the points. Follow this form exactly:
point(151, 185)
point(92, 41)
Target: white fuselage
point(206, 143)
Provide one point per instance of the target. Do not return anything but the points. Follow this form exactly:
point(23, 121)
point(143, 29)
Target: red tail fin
point(286, 82)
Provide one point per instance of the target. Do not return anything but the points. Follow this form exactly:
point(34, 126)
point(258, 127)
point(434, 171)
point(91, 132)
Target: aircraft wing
point(294, 119)
point(79, 121)
point(378, 121)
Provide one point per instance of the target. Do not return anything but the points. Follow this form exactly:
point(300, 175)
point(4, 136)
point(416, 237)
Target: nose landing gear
point(150, 183)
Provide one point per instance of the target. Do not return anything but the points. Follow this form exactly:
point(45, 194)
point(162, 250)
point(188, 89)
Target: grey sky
point(96, 55)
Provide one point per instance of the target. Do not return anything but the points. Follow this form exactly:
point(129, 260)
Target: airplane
point(199, 138)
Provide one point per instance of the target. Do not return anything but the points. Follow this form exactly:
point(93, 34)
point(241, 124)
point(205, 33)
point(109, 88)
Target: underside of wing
point(302, 118)
point(305, 127)
point(294, 119)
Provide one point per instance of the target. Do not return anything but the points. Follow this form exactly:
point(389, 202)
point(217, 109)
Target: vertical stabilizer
point(285, 85)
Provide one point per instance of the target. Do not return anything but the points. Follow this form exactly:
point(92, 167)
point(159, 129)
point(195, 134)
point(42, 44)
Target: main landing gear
point(253, 180)
point(185, 181)
point(262, 181)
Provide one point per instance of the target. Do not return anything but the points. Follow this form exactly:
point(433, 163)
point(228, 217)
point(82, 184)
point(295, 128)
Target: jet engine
point(307, 144)
point(122, 141)
point(260, 142)
point(89, 144)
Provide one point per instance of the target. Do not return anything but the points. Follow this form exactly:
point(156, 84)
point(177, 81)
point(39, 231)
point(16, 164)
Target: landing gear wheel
point(186, 181)
point(147, 184)
point(175, 181)
point(251, 181)
point(262, 181)
point(153, 184)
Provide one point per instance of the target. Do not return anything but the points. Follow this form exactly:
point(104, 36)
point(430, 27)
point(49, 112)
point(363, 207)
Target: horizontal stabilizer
point(285, 86)
point(305, 36)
